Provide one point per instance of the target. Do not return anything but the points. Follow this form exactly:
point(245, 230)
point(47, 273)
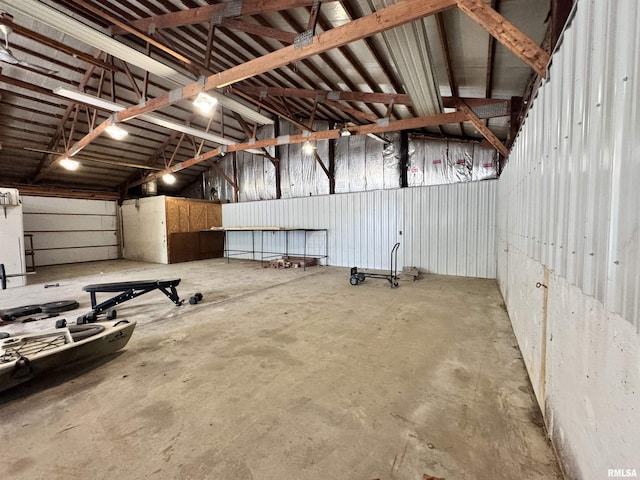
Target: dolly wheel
point(111, 314)
point(361, 277)
point(394, 284)
point(353, 280)
point(193, 300)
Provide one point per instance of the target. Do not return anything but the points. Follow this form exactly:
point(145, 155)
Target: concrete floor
point(281, 374)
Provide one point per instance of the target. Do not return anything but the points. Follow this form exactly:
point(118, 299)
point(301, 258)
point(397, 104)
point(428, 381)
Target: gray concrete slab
point(282, 374)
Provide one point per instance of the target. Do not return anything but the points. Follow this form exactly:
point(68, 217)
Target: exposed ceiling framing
point(293, 60)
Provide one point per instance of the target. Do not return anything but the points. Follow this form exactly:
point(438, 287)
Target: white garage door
point(71, 230)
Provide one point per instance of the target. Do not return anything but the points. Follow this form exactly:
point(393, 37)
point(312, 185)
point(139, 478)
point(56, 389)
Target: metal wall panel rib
point(569, 196)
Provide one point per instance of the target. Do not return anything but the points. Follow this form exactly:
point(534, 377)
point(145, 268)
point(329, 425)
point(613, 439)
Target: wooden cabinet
point(188, 234)
point(189, 246)
point(171, 230)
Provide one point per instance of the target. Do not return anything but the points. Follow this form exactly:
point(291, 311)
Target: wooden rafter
point(129, 29)
point(313, 17)
point(389, 71)
point(273, 110)
point(354, 60)
point(252, 134)
point(321, 163)
point(211, 32)
point(507, 34)
point(448, 63)
point(390, 17)
point(491, 52)
point(484, 130)
point(221, 172)
point(260, 30)
point(322, 74)
point(352, 111)
point(206, 13)
point(45, 161)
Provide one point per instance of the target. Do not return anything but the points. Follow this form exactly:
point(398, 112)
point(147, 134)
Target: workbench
point(306, 243)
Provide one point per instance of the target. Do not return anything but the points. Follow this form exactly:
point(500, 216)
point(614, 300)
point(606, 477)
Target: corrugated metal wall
point(447, 229)
point(569, 196)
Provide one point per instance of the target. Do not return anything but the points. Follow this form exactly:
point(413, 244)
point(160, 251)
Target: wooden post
point(404, 158)
point(276, 160)
point(236, 189)
point(332, 166)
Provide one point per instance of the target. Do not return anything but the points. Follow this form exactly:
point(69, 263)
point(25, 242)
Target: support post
point(404, 158)
point(276, 160)
point(236, 189)
point(332, 167)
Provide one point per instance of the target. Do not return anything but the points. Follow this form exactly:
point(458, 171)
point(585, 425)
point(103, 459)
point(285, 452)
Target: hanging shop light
point(116, 132)
point(205, 103)
point(169, 179)
point(308, 148)
point(69, 164)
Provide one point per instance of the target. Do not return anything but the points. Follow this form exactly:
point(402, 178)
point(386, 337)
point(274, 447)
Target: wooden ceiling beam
point(260, 30)
point(366, 97)
point(387, 18)
point(507, 34)
point(40, 191)
point(393, 77)
point(129, 29)
point(271, 109)
point(448, 63)
point(394, 126)
point(208, 12)
point(329, 64)
point(484, 130)
point(352, 111)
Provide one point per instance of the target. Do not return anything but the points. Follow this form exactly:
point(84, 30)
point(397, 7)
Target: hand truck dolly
point(358, 277)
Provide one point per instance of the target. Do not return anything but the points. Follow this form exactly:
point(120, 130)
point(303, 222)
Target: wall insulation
point(362, 164)
point(568, 221)
point(442, 229)
point(67, 230)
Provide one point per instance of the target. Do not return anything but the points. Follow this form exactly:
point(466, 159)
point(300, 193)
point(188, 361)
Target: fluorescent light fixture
point(116, 132)
point(308, 148)
point(82, 97)
point(169, 179)
point(147, 117)
point(69, 164)
point(100, 40)
point(205, 102)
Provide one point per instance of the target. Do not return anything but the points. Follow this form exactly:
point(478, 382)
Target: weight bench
point(128, 290)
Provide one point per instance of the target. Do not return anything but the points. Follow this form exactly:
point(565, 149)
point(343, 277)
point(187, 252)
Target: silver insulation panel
point(361, 164)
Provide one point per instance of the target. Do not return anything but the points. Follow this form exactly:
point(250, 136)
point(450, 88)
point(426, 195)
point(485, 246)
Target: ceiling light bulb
point(116, 132)
point(344, 132)
point(169, 179)
point(308, 148)
point(205, 102)
point(69, 164)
